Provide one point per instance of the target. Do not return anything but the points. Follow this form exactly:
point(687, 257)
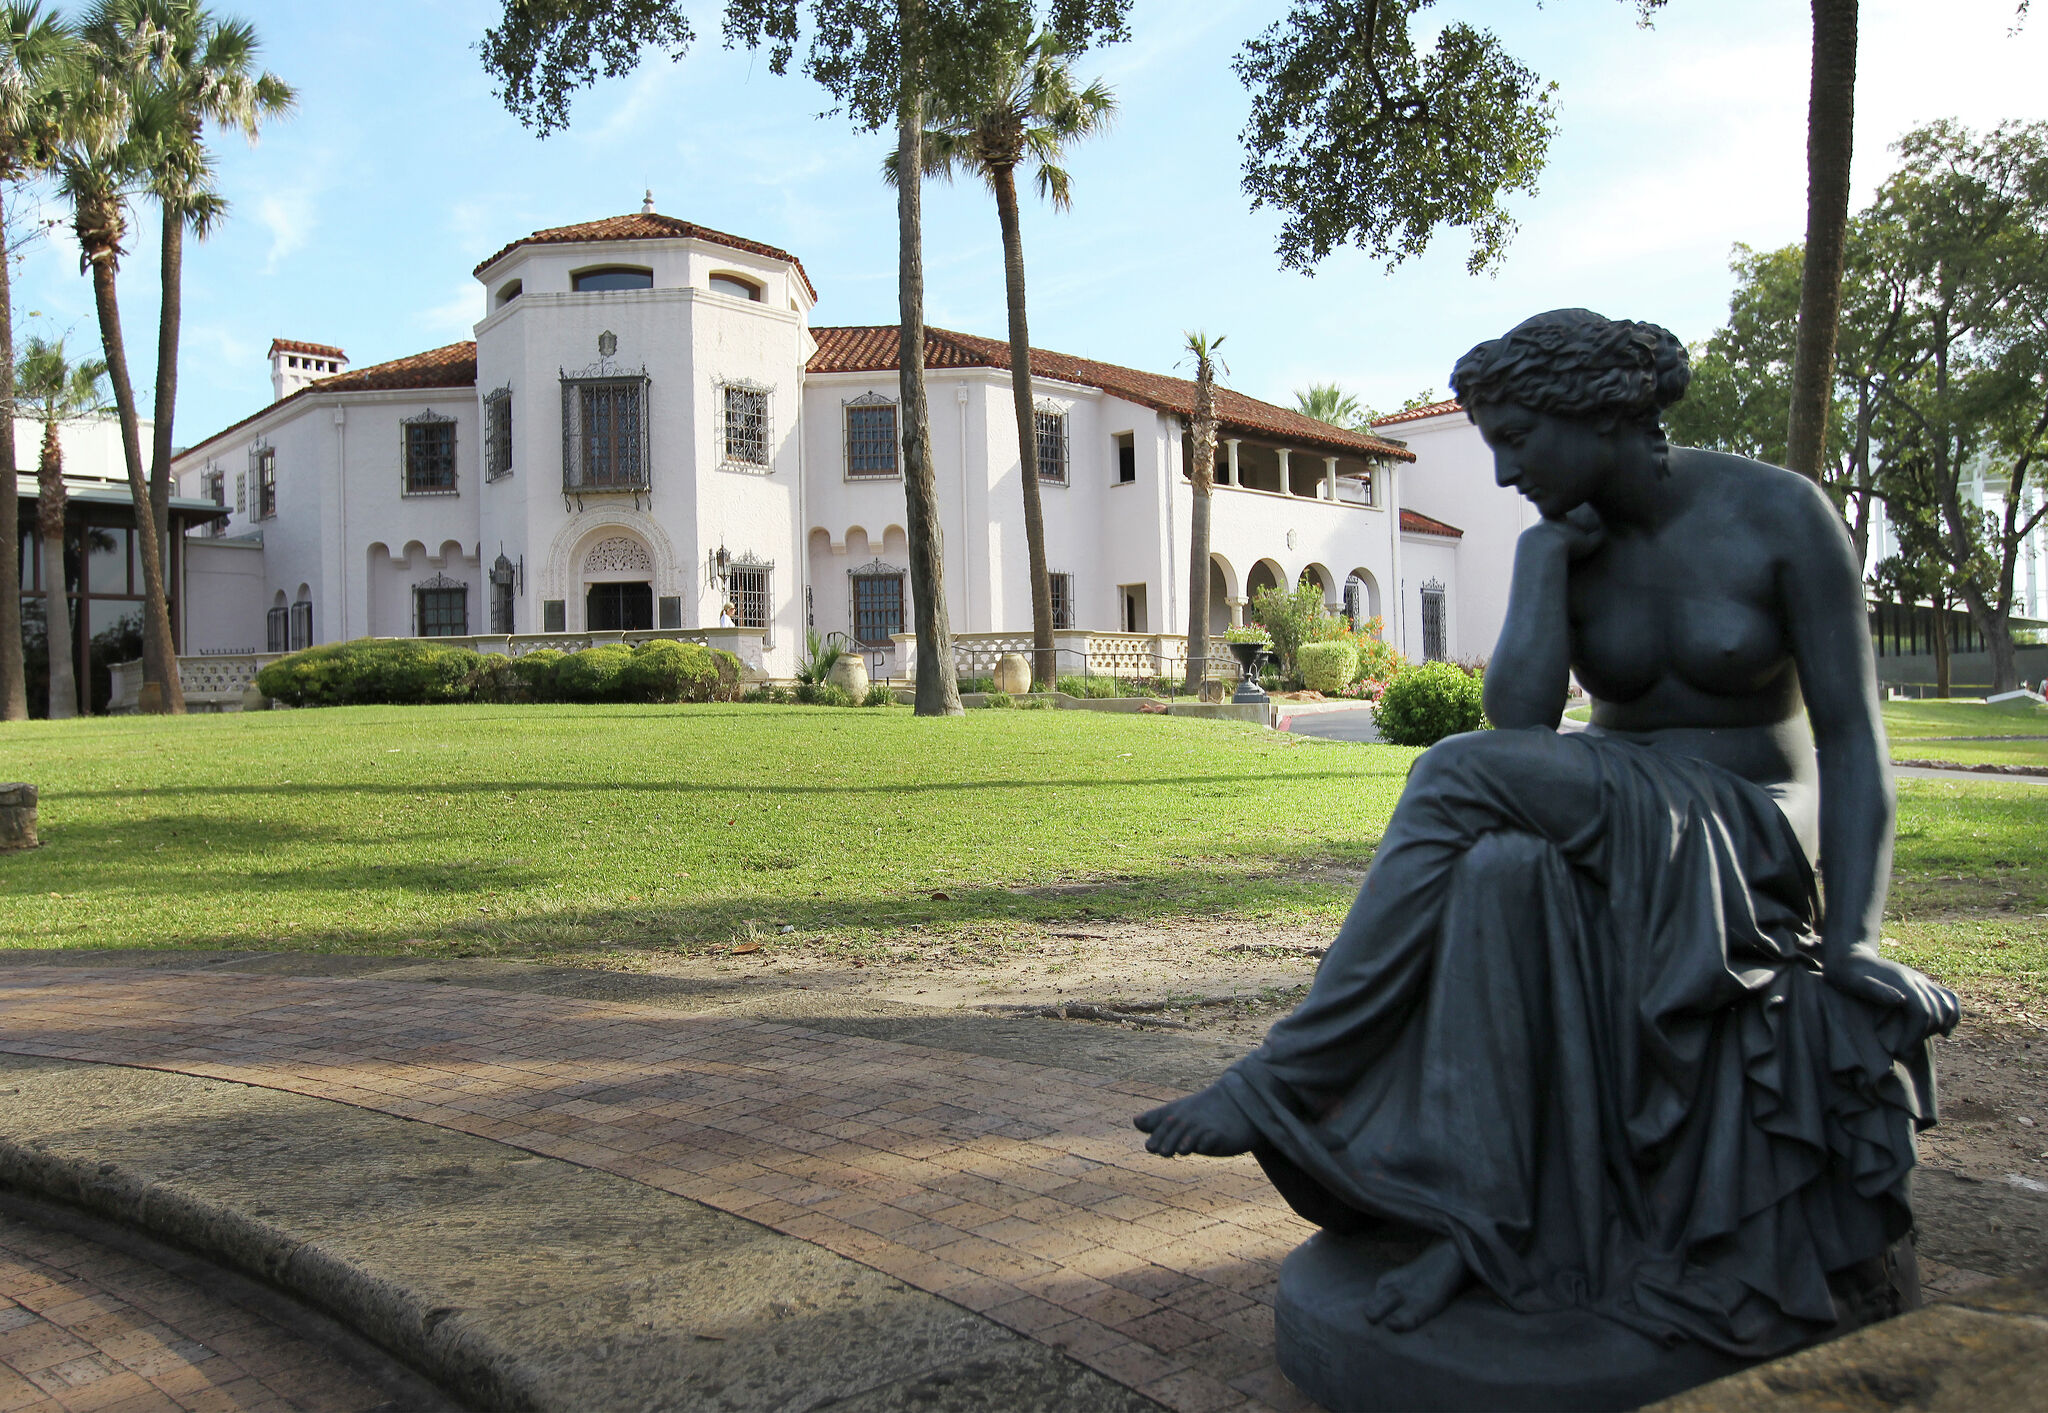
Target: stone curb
point(389, 1316)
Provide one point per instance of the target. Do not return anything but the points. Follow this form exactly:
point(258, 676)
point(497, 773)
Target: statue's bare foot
point(1419, 1291)
point(1208, 1122)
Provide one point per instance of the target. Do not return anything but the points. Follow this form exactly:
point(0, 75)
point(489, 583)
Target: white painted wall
point(224, 596)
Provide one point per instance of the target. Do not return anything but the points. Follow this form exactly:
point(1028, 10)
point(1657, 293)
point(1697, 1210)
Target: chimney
point(647, 203)
point(293, 365)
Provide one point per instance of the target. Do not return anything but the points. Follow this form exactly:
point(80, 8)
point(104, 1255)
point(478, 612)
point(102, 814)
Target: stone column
point(17, 817)
point(1286, 483)
point(1330, 478)
point(1230, 444)
point(1237, 607)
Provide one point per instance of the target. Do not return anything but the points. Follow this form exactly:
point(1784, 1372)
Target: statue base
point(1476, 1355)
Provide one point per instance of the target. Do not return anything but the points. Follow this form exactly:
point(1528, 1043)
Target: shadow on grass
point(719, 787)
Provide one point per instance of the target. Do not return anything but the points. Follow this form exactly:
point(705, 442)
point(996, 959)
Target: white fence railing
point(1080, 652)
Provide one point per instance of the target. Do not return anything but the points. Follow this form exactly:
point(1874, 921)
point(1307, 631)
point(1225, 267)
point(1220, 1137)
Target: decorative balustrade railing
point(1151, 657)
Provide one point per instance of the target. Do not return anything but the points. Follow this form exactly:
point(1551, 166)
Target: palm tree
point(1327, 402)
point(1203, 474)
point(205, 66)
point(1830, 123)
point(111, 139)
point(34, 45)
point(1031, 114)
point(53, 390)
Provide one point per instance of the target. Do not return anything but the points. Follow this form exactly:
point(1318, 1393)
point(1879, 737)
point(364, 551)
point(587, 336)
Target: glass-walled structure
point(102, 579)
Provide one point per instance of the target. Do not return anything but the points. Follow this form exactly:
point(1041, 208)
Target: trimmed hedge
point(372, 672)
point(1427, 702)
point(1325, 667)
point(412, 672)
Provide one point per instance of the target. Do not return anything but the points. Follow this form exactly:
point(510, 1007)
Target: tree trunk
point(56, 603)
point(1198, 587)
point(13, 673)
point(173, 274)
point(1941, 652)
point(1830, 123)
point(1044, 661)
point(158, 664)
point(938, 691)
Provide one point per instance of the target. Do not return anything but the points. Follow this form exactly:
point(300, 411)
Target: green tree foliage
point(49, 388)
point(1429, 701)
point(1359, 139)
point(1327, 402)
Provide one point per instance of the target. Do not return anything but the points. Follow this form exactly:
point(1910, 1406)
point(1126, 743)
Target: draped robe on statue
point(1576, 1023)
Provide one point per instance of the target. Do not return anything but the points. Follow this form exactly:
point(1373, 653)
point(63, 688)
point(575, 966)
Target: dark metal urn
point(1248, 655)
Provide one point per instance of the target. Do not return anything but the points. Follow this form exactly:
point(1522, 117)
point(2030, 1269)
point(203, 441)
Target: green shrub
point(662, 670)
point(819, 656)
point(594, 674)
point(977, 684)
point(537, 671)
point(774, 696)
point(823, 694)
point(372, 672)
point(878, 695)
point(1035, 704)
point(496, 680)
point(1427, 702)
point(998, 700)
point(1075, 685)
point(1327, 666)
point(1290, 618)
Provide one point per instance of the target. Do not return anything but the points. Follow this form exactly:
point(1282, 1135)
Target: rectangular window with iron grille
point(745, 426)
point(277, 630)
point(266, 483)
point(877, 605)
point(429, 455)
point(443, 608)
point(301, 625)
point(1052, 447)
point(871, 437)
point(498, 434)
point(1062, 599)
point(1433, 647)
point(214, 487)
point(604, 434)
point(748, 586)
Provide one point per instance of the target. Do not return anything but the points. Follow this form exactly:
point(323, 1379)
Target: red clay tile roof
point(321, 350)
point(451, 367)
point(1416, 414)
point(872, 349)
point(646, 225)
point(1414, 522)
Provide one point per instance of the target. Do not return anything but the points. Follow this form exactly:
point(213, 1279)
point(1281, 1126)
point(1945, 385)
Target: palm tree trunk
point(1044, 661)
point(13, 673)
point(56, 603)
point(1830, 124)
point(158, 663)
point(1198, 587)
point(938, 692)
point(167, 331)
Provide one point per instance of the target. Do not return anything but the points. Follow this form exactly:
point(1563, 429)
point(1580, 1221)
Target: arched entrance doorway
point(618, 586)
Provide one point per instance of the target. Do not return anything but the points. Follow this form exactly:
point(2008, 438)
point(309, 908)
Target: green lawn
point(547, 829)
point(584, 831)
point(1916, 729)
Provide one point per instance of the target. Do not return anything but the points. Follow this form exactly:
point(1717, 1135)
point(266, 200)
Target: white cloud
point(290, 219)
point(456, 317)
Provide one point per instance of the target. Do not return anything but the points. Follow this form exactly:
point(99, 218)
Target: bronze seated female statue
point(1587, 1039)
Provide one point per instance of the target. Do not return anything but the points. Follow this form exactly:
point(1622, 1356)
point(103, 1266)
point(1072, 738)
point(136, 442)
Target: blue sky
point(357, 221)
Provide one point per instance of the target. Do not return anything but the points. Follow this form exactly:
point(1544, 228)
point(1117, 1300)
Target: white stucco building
point(649, 428)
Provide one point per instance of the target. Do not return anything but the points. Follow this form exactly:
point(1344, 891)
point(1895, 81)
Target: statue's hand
point(1930, 1008)
point(1580, 530)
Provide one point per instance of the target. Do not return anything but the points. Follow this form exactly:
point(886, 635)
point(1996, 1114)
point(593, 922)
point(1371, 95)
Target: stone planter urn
point(850, 673)
point(1013, 674)
point(1248, 655)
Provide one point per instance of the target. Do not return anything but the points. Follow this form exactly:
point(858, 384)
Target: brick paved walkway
point(86, 1329)
point(1016, 1190)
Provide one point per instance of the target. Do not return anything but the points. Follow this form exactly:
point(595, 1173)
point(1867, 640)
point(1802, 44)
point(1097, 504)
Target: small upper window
point(512, 291)
point(1052, 447)
point(736, 287)
point(611, 277)
point(871, 436)
point(428, 449)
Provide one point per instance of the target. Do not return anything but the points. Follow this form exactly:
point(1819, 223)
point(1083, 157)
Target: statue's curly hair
point(1575, 363)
